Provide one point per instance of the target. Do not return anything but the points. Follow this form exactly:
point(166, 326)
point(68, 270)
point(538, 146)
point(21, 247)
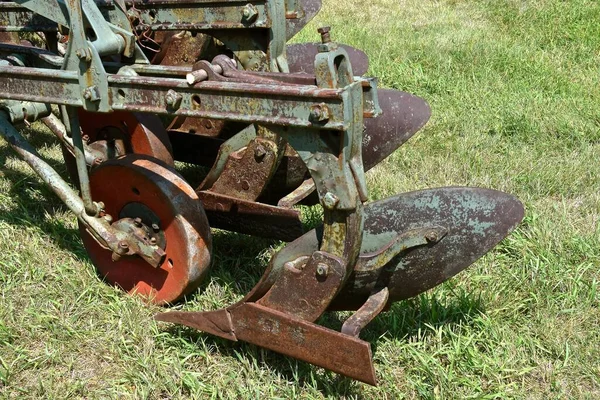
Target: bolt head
point(330, 200)
point(322, 270)
point(123, 244)
point(155, 227)
point(173, 99)
point(431, 236)
point(259, 152)
point(319, 113)
point(324, 29)
point(91, 93)
point(137, 221)
point(249, 13)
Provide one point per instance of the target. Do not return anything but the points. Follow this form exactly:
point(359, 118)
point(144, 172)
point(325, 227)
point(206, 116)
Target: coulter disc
point(136, 186)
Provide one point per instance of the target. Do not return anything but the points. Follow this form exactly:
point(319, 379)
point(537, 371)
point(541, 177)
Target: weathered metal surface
point(119, 133)
point(305, 288)
point(475, 219)
point(301, 58)
point(306, 11)
point(365, 314)
point(284, 105)
point(403, 114)
point(247, 171)
point(140, 179)
point(250, 217)
point(279, 332)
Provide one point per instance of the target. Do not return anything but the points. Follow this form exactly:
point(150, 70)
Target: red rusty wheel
point(136, 186)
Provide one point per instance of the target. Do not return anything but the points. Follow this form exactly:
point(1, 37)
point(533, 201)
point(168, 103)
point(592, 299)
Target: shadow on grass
point(35, 201)
point(408, 321)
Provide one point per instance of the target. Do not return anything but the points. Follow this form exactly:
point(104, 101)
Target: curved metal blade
point(306, 11)
point(301, 58)
point(403, 115)
point(475, 220)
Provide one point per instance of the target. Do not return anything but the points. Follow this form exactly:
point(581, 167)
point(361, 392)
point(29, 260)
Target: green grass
point(514, 90)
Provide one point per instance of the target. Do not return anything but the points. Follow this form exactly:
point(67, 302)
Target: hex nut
point(249, 13)
point(330, 201)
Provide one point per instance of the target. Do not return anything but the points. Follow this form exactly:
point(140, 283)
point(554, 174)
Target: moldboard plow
point(129, 87)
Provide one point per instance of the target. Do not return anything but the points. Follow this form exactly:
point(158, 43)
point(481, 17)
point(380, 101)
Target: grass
point(513, 86)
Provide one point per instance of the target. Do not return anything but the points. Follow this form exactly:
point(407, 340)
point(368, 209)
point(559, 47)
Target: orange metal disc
point(141, 180)
point(138, 133)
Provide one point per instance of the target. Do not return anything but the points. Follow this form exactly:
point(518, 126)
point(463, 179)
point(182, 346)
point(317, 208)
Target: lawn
point(515, 96)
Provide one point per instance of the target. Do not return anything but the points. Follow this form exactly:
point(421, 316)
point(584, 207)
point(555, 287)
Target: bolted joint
point(259, 153)
point(330, 201)
point(91, 93)
point(249, 13)
point(319, 113)
point(322, 270)
point(84, 54)
point(432, 237)
point(173, 99)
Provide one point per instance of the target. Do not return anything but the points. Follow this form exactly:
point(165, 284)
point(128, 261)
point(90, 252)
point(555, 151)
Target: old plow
point(129, 87)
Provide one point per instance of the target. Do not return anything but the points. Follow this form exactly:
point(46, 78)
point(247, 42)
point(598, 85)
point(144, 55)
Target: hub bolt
point(138, 222)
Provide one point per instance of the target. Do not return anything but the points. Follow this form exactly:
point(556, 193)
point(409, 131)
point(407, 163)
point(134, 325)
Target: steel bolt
point(152, 240)
point(431, 236)
point(245, 185)
point(322, 270)
point(91, 93)
point(324, 31)
point(319, 113)
point(330, 200)
point(173, 99)
point(249, 13)
point(155, 227)
point(137, 222)
point(123, 245)
point(84, 54)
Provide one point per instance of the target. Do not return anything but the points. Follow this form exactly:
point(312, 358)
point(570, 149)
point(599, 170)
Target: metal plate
point(309, 8)
point(403, 115)
point(301, 58)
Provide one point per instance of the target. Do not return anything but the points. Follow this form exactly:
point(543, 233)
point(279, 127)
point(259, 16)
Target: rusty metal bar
point(283, 105)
